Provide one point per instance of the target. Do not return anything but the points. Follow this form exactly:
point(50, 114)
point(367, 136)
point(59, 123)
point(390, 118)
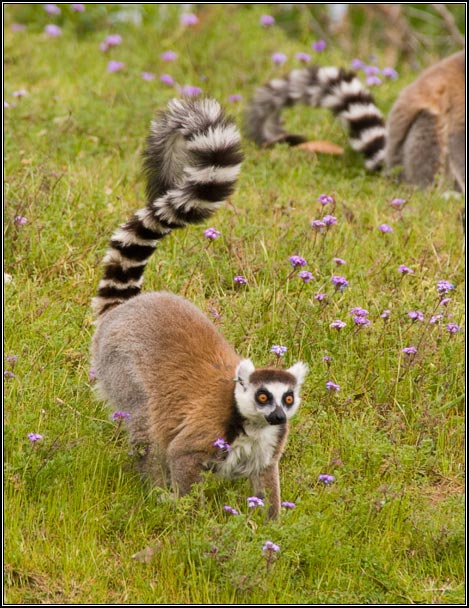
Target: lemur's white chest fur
point(251, 452)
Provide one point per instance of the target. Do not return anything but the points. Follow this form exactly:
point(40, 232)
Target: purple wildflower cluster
point(305, 276)
point(230, 510)
point(373, 73)
point(296, 261)
point(337, 324)
point(326, 199)
point(326, 479)
point(332, 386)
point(278, 350)
point(269, 546)
point(221, 444)
point(211, 234)
point(120, 415)
point(34, 437)
point(340, 283)
point(254, 501)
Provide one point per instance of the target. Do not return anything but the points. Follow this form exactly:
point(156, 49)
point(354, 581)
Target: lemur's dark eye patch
point(263, 397)
point(288, 399)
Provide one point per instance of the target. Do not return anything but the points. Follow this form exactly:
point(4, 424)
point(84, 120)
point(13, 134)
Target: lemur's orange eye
point(262, 398)
point(288, 399)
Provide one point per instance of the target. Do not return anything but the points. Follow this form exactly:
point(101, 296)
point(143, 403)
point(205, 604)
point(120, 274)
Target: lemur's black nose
point(277, 416)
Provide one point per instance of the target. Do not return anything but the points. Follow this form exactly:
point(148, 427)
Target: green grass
point(391, 528)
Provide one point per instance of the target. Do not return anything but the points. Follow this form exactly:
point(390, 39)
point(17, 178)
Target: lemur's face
point(268, 395)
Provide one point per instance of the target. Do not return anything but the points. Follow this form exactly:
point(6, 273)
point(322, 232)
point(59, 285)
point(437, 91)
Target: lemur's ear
point(244, 370)
point(299, 370)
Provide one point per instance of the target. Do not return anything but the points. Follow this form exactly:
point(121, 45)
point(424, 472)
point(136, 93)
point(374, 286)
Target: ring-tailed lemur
point(194, 404)
point(424, 133)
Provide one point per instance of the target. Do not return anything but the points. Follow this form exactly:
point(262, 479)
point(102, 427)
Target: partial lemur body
point(157, 356)
point(424, 134)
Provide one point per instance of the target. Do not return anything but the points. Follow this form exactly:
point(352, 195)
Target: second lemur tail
point(327, 87)
point(191, 163)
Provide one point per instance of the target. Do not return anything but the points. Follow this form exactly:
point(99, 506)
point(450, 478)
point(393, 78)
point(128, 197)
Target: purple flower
point(279, 58)
point(409, 350)
point(215, 312)
point(385, 228)
point(278, 350)
point(110, 41)
point(235, 97)
point(445, 301)
point(371, 70)
point(389, 73)
point(148, 76)
point(167, 79)
point(327, 359)
point(318, 225)
point(338, 324)
point(254, 501)
point(189, 19)
point(329, 220)
point(119, 415)
point(33, 437)
point(169, 56)
point(326, 479)
point(266, 20)
point(240, 280)
point(92, 373)
point(18, 27)
point(12, 359)
point(53, 31)
point(305, 276)
point(78, 8)
point(385, 314)
point(223, 445)
point(332, 386)
point(6, 104)
point(20, 93)
point(304, 57)
point(359, 312)
point(20, 220)
point(403, 269)
point(326, 199)
point(357, 64)
point(372, 81)
point(435, 318)
point(8, 375)
point(320, 297)
point(415, 315)
point(190, 91)
point(296, 260)
point(339, 282)
point(398, 203)
point(339, 261)
point(444, 287)
point(361, 321)
point(270, 547)
point(453, 328)
point(52, 9)
point(211, 233)
point(115, 66)
point(319, 46)
point(230, 510)
point(288, 505)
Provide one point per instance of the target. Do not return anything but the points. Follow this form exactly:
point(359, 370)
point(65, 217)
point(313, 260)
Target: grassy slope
point(391, 528)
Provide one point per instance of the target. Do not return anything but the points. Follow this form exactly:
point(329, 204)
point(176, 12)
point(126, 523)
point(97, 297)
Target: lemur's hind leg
point(422, 150)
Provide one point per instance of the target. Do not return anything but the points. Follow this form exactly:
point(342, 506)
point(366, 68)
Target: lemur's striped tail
point(191, 162)
point(326, 87)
